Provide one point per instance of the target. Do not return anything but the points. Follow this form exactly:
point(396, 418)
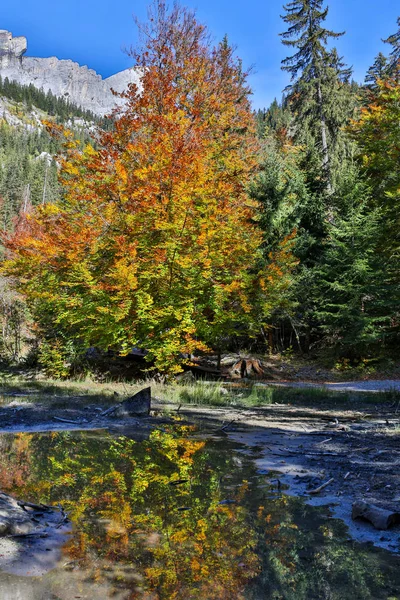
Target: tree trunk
point(325, 151)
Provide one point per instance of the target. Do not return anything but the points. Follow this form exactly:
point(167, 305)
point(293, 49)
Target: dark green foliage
point(305, 18)
point(52, 105)
point(394, 41)
point(342, 295)
point(275, 118)
point(378, 71)
point(348, 275)
point(281, 190)
point(28, 174)
point(319, 95)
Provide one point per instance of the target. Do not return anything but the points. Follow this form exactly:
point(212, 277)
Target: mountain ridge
point(79, 84)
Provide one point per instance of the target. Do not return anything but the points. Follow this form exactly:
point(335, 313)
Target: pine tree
point(349, 278)
point(377, 72)
point(394, 61)
point(317, 76)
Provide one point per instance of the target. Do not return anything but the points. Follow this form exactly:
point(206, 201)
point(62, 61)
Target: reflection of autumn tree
point(119, 494)
point(130, 532)
point(15, 460)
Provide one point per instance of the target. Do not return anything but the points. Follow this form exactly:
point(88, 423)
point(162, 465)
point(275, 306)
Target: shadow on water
point(177, 517)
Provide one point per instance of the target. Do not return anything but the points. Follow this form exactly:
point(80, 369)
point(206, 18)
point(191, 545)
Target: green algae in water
point(176, 517)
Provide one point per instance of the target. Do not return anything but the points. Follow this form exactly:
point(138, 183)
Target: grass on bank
point(249, 394)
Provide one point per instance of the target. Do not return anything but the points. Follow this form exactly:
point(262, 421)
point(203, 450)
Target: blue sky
point(94, 32)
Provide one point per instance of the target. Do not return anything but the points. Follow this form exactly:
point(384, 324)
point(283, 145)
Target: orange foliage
point(155, 241)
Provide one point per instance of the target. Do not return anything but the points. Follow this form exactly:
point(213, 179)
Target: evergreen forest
point(194, 224)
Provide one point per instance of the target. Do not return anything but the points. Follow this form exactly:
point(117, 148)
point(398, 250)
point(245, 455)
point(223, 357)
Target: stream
point(179, 515)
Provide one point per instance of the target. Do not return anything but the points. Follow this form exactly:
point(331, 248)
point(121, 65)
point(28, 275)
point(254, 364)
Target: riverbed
point(183, 511)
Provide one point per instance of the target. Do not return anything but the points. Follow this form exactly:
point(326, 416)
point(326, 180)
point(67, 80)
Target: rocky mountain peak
point(64, 78)
point(12, 46)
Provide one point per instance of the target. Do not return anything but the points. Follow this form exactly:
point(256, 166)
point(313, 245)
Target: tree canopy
point(154, 242)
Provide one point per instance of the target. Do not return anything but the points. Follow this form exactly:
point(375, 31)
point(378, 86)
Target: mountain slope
point(64, 78)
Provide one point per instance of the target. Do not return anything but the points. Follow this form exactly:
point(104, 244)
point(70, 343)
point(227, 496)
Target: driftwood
point(224, 427)
point(379, 517)
point(40, 507)
point(321, 487)
point(70, 421)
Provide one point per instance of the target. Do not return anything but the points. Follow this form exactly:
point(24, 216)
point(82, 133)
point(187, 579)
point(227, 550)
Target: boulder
point(135, 406)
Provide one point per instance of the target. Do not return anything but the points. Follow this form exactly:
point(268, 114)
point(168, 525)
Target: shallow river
point(175, 516)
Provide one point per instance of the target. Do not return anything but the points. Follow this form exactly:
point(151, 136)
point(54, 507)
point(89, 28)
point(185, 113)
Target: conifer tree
point(377, 72)
point(394, 60)
point(349, 277)
point(317, 76)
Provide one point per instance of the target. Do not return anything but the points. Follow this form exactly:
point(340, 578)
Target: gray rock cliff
point(81, 85)
point(11, 47)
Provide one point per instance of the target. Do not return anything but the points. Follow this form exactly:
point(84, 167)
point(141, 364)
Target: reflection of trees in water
point(306, 556)
point(129, 522)
point(130, 532)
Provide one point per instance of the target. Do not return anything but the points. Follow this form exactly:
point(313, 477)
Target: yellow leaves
point(71, 169)
point(158, 216)
point(124, 275)
point(121, 171)
point(103, 309)
point(179, 536)
point(67, 480)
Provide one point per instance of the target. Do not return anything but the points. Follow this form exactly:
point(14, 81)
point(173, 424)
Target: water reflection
point(174, 517)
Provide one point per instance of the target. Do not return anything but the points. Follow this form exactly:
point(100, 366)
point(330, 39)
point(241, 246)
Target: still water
point(177, 516)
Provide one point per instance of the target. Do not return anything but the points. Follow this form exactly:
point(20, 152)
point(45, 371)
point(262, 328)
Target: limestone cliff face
point(80, 85)
point(11, 47)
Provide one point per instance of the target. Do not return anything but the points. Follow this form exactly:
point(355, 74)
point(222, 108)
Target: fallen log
point(379, 517)
point(40, 507)
point(71, 421)
point(321, 487)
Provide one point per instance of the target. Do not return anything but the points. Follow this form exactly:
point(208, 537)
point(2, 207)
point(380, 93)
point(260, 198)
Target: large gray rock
point(135, 406)
point(81, 85)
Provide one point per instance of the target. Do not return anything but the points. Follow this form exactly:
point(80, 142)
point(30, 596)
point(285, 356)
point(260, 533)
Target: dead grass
point(66, 393)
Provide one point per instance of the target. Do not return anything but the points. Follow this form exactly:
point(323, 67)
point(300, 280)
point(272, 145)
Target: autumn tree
point(377, 134)
point(154, 242)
